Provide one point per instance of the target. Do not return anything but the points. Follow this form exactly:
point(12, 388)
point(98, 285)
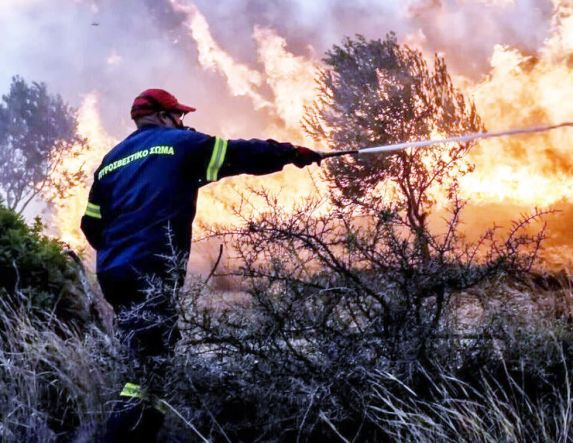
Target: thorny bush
point(337, 331)
point(329, 298)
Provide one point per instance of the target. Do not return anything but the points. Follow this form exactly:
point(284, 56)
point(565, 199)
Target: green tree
point(36, 271)
point(378, 92)
point(37, 132)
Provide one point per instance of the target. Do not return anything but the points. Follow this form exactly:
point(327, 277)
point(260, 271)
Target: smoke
point(466, 32)
point(291, 78)
point(242, 80)
point(114, 48)
point(121, 48)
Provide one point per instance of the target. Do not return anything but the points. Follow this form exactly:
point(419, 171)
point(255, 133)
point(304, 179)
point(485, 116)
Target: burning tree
point(37, 132)
point(378, 92)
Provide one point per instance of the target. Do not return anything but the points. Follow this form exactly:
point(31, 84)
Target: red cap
point(151, 101)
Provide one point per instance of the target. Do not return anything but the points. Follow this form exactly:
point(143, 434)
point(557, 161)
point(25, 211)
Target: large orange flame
point(290, 79)
point(520, 90)
point(68, 213)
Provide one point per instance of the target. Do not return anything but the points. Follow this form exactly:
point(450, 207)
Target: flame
point(283, 87)
point(291, 79)
point(241, 80)
point(523, 90)
point(520, 90)
point(68, 212)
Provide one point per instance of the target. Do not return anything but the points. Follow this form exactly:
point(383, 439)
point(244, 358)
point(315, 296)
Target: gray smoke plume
point(120, 48)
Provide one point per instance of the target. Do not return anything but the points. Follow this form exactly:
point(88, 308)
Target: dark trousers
point(143, 298)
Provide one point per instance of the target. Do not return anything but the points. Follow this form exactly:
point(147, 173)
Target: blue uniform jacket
point(147, 186)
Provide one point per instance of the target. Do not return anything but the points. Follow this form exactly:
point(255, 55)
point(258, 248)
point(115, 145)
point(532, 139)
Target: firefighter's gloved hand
point(304, 157)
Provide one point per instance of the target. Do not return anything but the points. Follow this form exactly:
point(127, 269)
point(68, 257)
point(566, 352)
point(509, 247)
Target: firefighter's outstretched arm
point(257, 157)
point(92, 221)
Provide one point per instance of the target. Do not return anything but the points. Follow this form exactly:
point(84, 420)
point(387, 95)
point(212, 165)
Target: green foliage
point(378, 92)
point(31, 264)
point(37, 132)
point(53, 379)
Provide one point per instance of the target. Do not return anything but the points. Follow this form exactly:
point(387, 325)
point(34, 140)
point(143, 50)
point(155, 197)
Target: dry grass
point(491, 410)
point(57, 386)
point(54, 384)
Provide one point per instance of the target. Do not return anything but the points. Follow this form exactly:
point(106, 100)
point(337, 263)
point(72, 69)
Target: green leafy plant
point(35, 270)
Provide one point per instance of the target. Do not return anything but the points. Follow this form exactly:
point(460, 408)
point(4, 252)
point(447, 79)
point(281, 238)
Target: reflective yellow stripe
point(217, 159)
point(131, 390)
point(93, 211)
point(134, 391)
point(93, 215)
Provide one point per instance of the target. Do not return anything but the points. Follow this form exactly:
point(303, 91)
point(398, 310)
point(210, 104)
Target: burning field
point(518, 84)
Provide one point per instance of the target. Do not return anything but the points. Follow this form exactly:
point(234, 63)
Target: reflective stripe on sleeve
point(131, 390)
point(217, 159)
point(93, 211)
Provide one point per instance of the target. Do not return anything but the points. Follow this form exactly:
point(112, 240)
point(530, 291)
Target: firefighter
point(138, 219)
